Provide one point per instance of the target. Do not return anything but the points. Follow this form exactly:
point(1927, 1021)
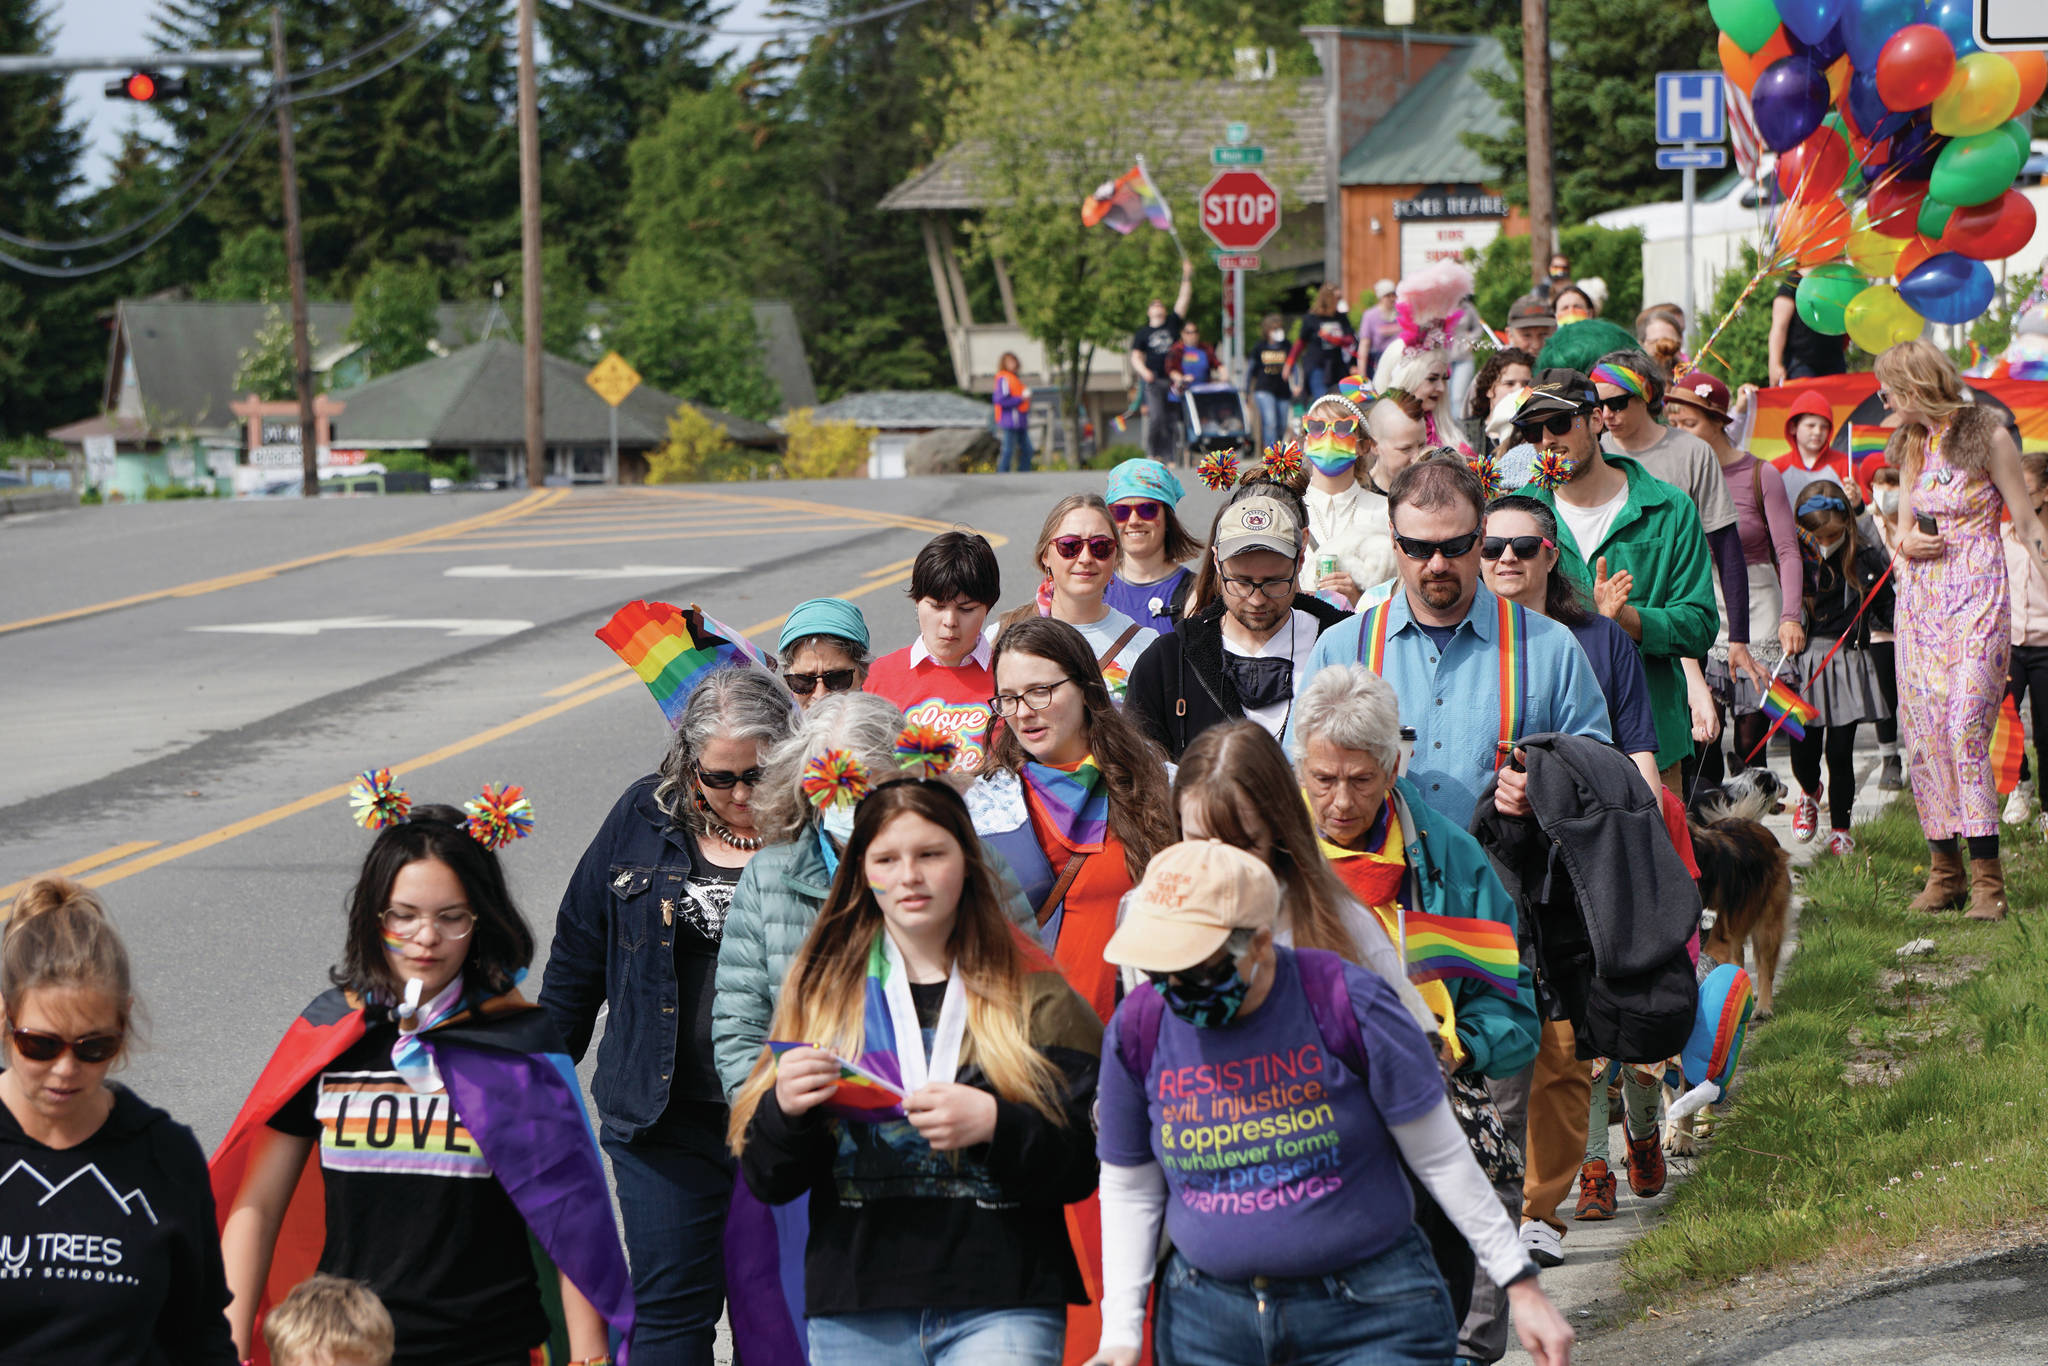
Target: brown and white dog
point(1745, 876)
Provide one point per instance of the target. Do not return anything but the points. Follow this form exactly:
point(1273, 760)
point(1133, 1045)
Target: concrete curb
point(45, 500)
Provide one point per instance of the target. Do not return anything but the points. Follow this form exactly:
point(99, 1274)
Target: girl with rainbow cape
point(447, 1120)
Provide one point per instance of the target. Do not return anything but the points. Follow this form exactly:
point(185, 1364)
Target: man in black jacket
point(1238, 656)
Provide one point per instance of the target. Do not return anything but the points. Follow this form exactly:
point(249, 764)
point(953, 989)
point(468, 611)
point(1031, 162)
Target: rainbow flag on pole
point(672, 649)
point(1126, 202)
point(1444, 946)
point(2008, 746)
point(1865, 441)
point(1788, 708)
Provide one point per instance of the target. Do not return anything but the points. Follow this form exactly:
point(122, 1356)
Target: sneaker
point(1892, 776)
point(1806, 817)
point(1646, 1166)
point(1544, 1244)
point(1596, 1192)
point(2019, 805)
point(2041, 824)
point(1841, 843)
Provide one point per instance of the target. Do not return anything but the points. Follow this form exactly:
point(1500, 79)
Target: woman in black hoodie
point(108, 1249)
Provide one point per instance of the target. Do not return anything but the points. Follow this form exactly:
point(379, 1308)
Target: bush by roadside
point(1893, 1100)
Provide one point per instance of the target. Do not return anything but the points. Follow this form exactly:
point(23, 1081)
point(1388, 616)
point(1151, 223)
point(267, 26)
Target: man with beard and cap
point(1441, 640)
point(1630, 540)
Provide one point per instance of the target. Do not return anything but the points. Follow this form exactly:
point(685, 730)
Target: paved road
point(197, 773)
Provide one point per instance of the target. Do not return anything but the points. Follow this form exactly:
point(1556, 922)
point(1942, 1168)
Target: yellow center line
point(531, 543)
point(157, 857)
point(86, 864)
point(531, 503)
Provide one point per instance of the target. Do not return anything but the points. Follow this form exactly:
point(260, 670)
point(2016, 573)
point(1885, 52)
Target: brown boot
point(1945, 882)
point(1987, 889)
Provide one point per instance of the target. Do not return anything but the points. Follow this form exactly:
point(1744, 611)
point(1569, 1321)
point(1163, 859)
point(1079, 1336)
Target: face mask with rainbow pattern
point(1332, 454)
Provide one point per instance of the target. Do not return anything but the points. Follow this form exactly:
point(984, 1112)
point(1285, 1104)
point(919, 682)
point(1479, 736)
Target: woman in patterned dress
point(1954, 613)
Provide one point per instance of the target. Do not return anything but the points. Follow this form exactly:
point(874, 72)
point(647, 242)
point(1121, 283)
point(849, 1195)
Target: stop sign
point(1240, 210)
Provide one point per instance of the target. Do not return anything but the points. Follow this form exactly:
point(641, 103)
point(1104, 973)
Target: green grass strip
point(1891, 1101)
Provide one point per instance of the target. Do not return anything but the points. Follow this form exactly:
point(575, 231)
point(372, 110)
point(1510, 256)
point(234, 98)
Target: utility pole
point(1536, 118)
point(295, 263)
point(529, 245)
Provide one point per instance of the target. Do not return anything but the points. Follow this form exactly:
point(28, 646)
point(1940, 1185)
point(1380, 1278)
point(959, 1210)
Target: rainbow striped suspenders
point(1513, 639)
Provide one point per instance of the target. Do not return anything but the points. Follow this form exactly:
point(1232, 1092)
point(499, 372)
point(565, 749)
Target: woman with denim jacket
point(638, 931)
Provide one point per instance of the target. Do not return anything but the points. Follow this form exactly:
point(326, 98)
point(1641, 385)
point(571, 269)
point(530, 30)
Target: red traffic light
point(147, 87)
point(141, 86)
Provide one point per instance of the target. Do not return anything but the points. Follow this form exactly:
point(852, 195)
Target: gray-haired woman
point(639, 931)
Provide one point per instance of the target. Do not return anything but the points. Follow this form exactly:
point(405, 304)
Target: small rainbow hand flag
point(672, 649)
point(2008, 746)
point(1444, 946)
point(1779, 701)
point(1866, 440)
point(861, 1094)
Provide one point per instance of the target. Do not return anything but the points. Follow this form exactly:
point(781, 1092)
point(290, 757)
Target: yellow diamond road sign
point(613, 378)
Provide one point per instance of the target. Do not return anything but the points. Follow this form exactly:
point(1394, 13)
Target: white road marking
point(454, 626)
point(624, 571)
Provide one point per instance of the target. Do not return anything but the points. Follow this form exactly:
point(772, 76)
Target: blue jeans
point(675, 1186)
point(1017, 442)
point(1388, 1310)
point(939, 1337)
point(1272, 415)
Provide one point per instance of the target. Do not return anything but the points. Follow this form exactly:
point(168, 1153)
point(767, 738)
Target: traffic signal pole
point(295, 265)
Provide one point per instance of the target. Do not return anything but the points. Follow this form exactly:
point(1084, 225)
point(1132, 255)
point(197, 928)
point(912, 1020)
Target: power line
point(712, 31)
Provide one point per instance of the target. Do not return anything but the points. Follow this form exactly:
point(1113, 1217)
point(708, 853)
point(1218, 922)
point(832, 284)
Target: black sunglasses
point(1069, 547)
point(39, 1047)
point(1557, 424)
point(1525, 547)
point(835, 680)
point(723, 779)
point(1454, 548)
point(1201, 975)
point(1615, 404)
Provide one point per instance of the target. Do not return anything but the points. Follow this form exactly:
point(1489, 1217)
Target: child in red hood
point(1811, 457)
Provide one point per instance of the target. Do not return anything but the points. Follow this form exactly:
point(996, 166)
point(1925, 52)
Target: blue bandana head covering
point(825, 617)
point(1143, 479)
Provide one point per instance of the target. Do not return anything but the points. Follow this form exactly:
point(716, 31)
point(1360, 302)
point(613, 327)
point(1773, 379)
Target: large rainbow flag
point(2008, 746)
point(672, 649)
point(1856, 396)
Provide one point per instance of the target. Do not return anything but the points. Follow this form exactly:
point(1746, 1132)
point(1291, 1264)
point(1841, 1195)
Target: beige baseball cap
point(1257, 523)
point(1193, 895)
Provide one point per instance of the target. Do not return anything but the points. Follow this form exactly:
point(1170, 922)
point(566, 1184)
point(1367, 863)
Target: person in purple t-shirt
point(1268, 1131)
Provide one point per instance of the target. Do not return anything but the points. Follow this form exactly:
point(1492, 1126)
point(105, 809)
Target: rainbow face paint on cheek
point(878, 890)
point(392, 943)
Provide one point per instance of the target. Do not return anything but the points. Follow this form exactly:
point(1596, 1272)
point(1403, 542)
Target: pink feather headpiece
point(1429, 304)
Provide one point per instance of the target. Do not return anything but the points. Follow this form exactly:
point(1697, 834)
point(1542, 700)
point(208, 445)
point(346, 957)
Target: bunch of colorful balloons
point(1898, 143)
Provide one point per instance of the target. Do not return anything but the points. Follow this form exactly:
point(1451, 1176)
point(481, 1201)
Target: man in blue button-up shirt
point(1443, 649)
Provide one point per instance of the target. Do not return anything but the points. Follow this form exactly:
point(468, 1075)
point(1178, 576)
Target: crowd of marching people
point(1216, 953)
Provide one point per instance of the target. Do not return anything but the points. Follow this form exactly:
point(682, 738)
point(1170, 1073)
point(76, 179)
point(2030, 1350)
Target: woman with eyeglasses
point(92, 1278)
point(1518, 561)
point(1077, 552)
point(449, 1133)
point(639, 931)
point(1142, 496)
point(823, 649)
point(938, 1223)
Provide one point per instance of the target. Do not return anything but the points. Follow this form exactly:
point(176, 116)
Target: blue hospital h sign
point(1689, 107)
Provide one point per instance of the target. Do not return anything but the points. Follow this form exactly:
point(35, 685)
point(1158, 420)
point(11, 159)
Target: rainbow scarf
point(1512, 644)
point(673, 649)
point(1788, 708)
point(872, 1086)
point(1621, 377)
point(2008, 746)
point(1072, 801)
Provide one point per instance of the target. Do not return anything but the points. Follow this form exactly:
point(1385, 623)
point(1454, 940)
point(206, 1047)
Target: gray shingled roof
point(897, 408)
point(1418, 143)
point(185, 352)
point(1295, 162)
point(476, 398)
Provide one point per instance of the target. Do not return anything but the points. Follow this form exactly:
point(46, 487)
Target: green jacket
point(778, 896)
point(1657, 538)
point(1450, 875)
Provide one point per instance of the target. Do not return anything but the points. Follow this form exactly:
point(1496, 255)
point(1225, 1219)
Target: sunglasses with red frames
point(1069, 547)
point(1525, 547)
point(39, 1047)
point(1144, 512)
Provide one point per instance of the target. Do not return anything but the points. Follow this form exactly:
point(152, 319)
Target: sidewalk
point(1587, 1288)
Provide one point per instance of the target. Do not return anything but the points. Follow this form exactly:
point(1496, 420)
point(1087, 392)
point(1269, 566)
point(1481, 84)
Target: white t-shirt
point(1353, 526)
point(1589, 526)
point(1292, 641)
point(1116, 669)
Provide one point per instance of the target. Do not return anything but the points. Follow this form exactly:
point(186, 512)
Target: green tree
point(1615, 256)
point(1051, 114)
point(265, 367)
point(1741, 354)
point(709, 190)
point(689, 339)
point(396, 314)
point(565, 315)
point(1603, 106)
point(251, 265)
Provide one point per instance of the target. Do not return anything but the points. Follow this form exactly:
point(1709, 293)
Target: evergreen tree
point(51, 353)
point(395, 315)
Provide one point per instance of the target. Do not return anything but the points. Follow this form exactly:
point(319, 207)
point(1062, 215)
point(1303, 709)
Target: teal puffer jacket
point(779, 895)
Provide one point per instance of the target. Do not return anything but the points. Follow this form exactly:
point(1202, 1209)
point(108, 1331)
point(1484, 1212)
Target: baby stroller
point(1216, 420)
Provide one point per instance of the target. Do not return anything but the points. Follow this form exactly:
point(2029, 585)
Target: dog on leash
point(1745, 876)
